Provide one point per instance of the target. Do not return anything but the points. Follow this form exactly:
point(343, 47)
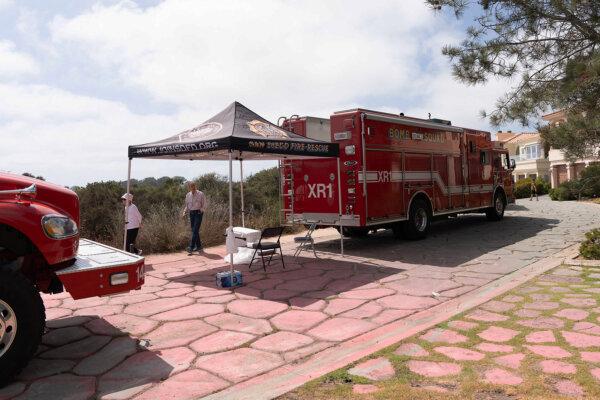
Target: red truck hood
point(58, 197)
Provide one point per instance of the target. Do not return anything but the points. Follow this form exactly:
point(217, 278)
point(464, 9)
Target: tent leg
point(242, 192)
point(125, 209)
point(231, 208)
point(340, 206)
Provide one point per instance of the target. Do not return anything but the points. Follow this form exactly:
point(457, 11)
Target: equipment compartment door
point(384, 185)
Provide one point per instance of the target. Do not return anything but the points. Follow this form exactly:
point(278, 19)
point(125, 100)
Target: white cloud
point(72, 139)
point(5, 4)
point(276, 56)
point(14, 63)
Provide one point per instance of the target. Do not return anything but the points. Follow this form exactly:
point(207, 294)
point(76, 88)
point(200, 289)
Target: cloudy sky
point(80, 80)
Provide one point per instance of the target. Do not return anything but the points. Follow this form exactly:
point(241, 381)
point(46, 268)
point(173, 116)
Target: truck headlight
point(59, 226)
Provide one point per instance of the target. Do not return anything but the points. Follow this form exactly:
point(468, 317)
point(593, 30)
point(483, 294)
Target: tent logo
point(267, 130)
point(208, 128)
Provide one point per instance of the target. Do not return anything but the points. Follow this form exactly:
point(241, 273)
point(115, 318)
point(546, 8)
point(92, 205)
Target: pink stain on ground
point(540, 337)
point(498, 334)
point(557, 367)
point(497, 376)
point(434, 369)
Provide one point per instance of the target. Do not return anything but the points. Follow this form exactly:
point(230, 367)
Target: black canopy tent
point(235, 133)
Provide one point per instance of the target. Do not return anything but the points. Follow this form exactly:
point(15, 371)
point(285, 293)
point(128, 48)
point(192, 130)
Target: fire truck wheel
point(419, 220)
point(22, 319)
point(496, 213)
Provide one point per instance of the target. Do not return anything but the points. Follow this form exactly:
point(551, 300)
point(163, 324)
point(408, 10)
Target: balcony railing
point(524, 157)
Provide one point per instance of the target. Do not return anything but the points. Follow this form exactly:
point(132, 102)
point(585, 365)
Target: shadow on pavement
point(451, 242)
point(89, 346)
point(309, 278)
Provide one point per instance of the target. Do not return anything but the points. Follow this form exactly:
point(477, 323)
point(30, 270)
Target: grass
point(468, 384)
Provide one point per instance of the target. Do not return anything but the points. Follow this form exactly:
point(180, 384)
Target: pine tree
point(553, 47)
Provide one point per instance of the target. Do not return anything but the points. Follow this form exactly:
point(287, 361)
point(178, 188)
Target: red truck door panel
point(384, 185)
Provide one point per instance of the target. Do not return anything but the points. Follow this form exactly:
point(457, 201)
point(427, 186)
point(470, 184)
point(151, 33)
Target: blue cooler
point(225, 279)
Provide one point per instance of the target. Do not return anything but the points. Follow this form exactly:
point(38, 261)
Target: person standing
point(533, 190)
point(134, 221)
point(195, 203)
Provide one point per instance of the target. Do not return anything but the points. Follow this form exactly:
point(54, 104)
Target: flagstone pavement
point(180, 337)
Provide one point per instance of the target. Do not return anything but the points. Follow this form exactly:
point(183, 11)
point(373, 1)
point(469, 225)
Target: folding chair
point(267, 248)
point(305, 241)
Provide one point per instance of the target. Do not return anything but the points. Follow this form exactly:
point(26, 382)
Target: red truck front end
point(41, 251)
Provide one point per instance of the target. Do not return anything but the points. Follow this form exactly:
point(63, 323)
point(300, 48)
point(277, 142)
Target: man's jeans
point(195, 222)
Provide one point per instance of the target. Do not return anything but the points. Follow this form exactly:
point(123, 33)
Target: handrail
point(31, 191)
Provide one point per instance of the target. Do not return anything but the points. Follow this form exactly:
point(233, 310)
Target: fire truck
point(396, 172)
point(40, 251)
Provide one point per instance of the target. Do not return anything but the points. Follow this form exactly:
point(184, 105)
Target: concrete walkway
point(180, 337)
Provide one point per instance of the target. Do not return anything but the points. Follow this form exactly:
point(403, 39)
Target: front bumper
point(100, 270)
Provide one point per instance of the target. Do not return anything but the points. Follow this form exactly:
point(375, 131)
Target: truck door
point(384, 185)
point(474, 172)
point(487, 178)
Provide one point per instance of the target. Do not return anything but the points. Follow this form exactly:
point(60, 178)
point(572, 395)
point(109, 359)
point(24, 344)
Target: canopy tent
point(235, 133)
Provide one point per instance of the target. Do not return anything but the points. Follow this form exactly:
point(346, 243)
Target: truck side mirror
point(513, 163)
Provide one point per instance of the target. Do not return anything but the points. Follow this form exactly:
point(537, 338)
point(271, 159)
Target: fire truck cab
point(395, 172)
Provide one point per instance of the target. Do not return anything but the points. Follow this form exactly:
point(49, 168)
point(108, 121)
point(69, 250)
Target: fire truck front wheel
point(419, 220)
point(496, 213)
point(22, 319)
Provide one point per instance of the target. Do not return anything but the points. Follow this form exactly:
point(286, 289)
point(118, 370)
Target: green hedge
point(523, 187)
point(588, 185)
point(590, 248)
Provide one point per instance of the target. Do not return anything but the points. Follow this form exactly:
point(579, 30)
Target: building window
point(519, 177)
point(531, 151)
point(485, 160)
point(532, 176)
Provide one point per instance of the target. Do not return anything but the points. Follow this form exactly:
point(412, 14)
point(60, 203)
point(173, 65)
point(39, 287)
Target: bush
point(160, 202)
point(523, 187)
point(590, 181)
point(590, 248)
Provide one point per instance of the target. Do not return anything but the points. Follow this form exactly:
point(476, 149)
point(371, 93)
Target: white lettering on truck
point(320, 190)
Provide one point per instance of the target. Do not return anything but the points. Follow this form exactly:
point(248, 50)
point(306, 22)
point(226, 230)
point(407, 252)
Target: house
point(561, 169)
point(527, 150)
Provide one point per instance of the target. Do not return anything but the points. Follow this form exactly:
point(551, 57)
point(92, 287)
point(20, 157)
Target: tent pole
point(125, 211)
point(340, 206)
point(242, 192)
point(231, 207)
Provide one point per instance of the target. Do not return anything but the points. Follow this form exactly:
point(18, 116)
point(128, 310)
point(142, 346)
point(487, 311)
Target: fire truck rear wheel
point(22, 319)
point(496, 213)
point(419, 220)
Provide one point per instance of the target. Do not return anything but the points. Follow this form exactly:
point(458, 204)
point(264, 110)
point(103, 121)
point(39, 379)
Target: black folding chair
point(264, 249)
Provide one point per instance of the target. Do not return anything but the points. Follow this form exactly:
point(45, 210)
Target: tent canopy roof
point(240, 131)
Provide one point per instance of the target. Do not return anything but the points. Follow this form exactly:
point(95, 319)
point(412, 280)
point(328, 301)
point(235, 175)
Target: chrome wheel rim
point(499, 205)
point(8, 327)
point(421, 220)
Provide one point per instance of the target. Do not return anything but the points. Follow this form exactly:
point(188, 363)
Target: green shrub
point(590, 248)
point(523, 188)
point(566, 191)
point(160, 202)
point(590, 181)
point(542, 186)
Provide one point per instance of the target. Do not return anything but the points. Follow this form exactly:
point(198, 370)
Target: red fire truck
point(40, 251)
point(396, 172)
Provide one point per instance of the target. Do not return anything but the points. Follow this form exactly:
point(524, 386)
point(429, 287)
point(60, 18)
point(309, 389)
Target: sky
point(80, 80)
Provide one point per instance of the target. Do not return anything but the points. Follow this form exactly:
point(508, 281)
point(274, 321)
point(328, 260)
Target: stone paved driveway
point(180, 337)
